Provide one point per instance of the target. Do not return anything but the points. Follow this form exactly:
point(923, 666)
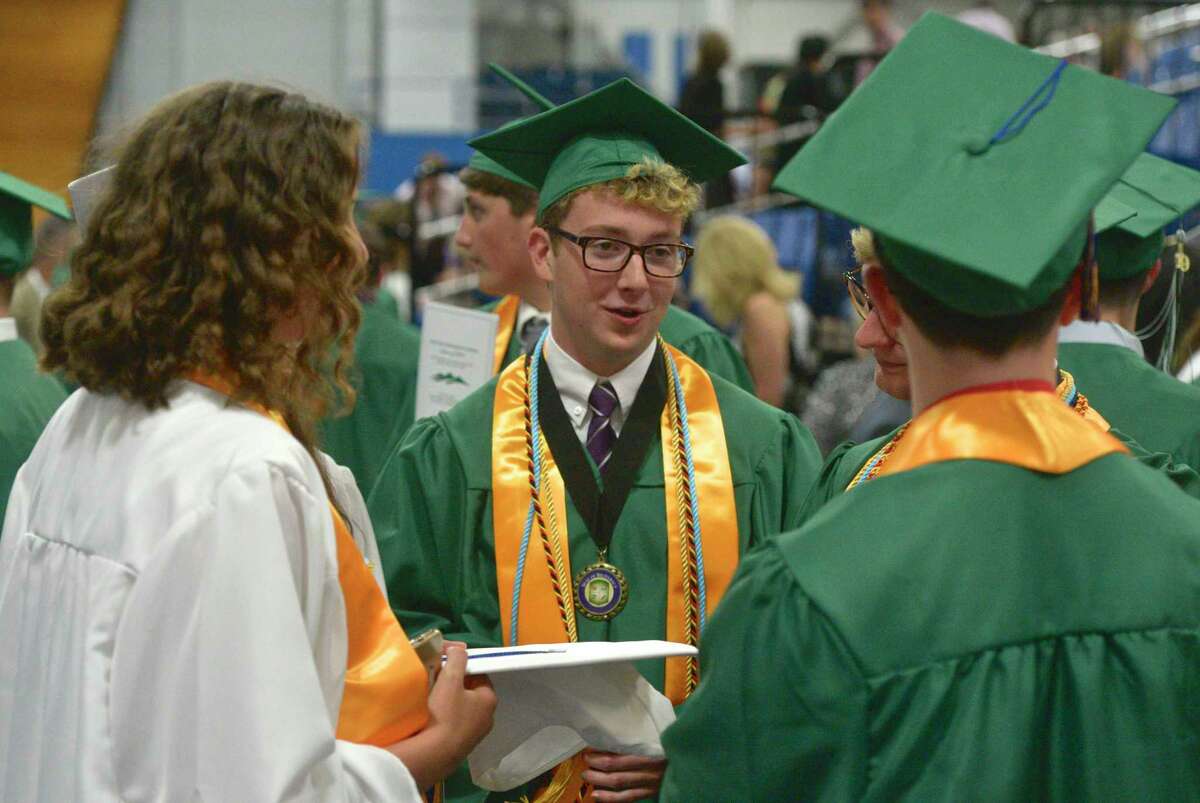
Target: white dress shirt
point(575, 383)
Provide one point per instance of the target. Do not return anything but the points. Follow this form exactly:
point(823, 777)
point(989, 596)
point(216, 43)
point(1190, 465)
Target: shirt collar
point(8, 329)
point(1102, 332)
point(575, 383)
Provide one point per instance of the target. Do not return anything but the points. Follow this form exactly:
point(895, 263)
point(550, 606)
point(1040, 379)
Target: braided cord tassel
point(566, 608)
point(692, 495)
point(534, 447)
point(687, 547)
point(533, 453)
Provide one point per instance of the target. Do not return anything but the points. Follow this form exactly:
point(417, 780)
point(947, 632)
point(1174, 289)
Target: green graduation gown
point(28, 399)
point(846, 460)
point(433, 519)
point(385, 376)
point(693, 337)
point(432, 513)
point(1155, 409)
point(966, 630)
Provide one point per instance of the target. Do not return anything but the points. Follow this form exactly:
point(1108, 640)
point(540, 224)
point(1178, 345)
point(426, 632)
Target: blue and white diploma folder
point(555, 700)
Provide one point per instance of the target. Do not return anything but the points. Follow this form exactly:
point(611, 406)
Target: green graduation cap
point(482, 163)
point(976, 163)
point(17, 199)
point(598, 137)
point(1160, 192)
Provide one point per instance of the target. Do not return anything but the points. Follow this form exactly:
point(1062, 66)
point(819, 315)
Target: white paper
point(457, 352)
point(584, 695)
point(86, 191)
point(498, 660)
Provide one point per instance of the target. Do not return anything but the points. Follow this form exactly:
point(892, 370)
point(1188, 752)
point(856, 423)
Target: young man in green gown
point(652, 476)
point(498, 216)
point(1009, 608)
point(1105, 356)
point(28, 398)
point(844, 464)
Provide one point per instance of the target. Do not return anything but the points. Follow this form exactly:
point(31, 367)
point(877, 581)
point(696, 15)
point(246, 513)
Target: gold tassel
point(1183, 263)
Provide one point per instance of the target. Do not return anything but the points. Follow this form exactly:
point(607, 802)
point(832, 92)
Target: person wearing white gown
point(178, 611)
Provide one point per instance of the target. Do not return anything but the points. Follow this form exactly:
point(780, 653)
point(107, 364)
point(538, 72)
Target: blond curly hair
point(650, 183)
point(862, 241)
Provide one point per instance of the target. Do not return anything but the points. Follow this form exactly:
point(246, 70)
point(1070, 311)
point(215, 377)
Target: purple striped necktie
point(600, 435)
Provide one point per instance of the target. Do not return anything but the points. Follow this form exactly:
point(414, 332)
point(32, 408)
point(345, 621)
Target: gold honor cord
point(1065, 391)
point(687, 527)
point(551, 541)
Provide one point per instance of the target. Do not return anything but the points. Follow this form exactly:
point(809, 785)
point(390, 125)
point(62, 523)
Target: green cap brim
point(17, 199)
point(483, 164)
point(1160, 192)
point(599, 137)
point(1111, 212)
point(914, 154)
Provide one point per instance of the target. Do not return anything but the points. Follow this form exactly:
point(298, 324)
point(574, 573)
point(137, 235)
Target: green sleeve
point(417, 509)
point(784, 477)
point(1184, 476)
point(831, 482)
point(717, 355)
point(780, 709)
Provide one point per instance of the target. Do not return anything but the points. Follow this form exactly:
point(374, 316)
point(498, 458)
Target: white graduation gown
point(171, 624)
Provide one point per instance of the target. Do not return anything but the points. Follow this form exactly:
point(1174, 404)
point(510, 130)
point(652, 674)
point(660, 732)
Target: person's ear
point(881, 297)
point(1073, 302)
point(1151, 277)
point(541, 252)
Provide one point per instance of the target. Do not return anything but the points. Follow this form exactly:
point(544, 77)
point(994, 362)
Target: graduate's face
point(491, 240)
point(605, 320)
point(891, 363)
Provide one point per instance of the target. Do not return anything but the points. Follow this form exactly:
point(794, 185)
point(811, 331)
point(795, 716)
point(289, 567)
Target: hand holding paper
point(555, 700)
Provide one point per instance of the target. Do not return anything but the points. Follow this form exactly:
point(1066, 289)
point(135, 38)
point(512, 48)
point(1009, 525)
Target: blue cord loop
point(1041, 97)
point(535, 426)
point(691, 477)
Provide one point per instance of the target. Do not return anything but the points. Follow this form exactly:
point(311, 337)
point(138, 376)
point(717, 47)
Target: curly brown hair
point(230, 208)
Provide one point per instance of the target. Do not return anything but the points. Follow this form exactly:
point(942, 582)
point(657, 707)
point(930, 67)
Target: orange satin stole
point(385, 695)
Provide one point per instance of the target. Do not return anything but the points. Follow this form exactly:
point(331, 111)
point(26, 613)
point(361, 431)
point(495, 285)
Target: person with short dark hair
point(806, 94)
point(1106, 356)
point(498, 216)
point(702, 99)
point(1006, 607)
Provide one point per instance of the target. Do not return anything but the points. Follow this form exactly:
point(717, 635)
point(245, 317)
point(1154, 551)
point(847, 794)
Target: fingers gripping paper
point(583, 695)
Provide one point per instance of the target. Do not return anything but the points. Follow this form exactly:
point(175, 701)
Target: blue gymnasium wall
point(394, 157)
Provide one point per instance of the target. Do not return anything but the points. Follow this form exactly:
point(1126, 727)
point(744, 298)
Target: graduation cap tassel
point(1167, 317)
point(1183, 264)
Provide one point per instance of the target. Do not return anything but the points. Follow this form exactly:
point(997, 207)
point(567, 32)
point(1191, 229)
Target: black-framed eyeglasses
point(610, 255)
point(859, 298)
